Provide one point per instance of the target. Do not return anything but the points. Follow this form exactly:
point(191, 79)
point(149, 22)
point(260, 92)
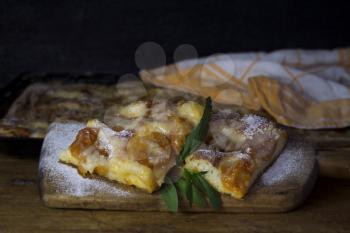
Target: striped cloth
point(299, 88)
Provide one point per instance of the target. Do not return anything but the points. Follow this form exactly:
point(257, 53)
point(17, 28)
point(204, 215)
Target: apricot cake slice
point(140, 144)
point(242, 147)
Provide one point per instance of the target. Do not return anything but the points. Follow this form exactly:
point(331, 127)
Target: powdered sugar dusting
point(209, 153)
point(241, 155)
point(66, 178)
point(294, 162)
point(254, 124)
point(125, 133)
point(214, 156)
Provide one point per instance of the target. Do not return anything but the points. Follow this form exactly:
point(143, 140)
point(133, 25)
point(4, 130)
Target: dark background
point(103, 35)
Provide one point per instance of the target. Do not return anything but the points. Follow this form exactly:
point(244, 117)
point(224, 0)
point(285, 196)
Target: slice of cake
point(138, 147)
point(242, 147)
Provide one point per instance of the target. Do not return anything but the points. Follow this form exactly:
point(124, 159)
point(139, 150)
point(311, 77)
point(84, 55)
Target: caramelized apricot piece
point(85, 138)
point(180, 129)
point(151, 150)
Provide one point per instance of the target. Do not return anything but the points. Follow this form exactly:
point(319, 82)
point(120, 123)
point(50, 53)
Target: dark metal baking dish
point(8, 94)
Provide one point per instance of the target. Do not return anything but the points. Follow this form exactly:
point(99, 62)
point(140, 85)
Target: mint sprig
point(205, 187)
point(197, 135)
point(169, 195)
point(192, 187)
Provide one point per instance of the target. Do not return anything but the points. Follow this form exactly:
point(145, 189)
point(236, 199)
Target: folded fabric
point(299, 88)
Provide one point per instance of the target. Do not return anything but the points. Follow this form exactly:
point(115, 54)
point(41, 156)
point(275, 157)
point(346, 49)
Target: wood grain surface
point(281, 188)
point(21, 210)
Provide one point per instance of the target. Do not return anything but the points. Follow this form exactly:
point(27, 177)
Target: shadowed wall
point(103, 35)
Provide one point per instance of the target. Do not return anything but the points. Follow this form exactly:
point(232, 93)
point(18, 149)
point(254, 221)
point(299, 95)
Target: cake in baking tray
point(43, 103)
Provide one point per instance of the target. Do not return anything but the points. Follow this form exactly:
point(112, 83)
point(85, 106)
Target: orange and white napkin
point(299, 88)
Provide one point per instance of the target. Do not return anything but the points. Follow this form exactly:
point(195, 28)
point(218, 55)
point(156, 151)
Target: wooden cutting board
point(282, 187)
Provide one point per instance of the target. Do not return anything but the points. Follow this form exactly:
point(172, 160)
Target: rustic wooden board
point(326, 210)
point(281, 188)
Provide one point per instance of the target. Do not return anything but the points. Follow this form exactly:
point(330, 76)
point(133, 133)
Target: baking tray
point(13, 89)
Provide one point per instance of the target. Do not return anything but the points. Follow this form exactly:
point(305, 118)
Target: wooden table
point(21, 210)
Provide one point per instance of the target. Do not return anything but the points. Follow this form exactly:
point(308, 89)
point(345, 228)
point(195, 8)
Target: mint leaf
point(181, 186)
point(169, 195)
point(197, 135)
point(189, 192)
point(198, 197)
point(213, 195)
point(188, 177)
point(185, 188)
point(187, 174)
point(192, 186)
